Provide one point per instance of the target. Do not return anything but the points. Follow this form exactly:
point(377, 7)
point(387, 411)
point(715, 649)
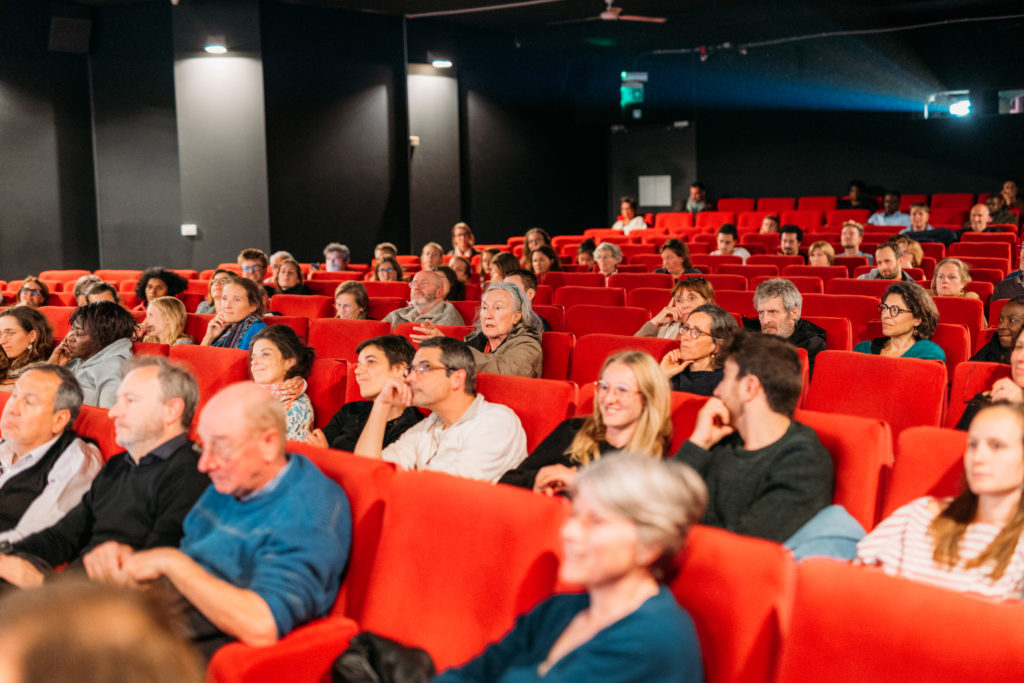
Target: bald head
point(250, 407)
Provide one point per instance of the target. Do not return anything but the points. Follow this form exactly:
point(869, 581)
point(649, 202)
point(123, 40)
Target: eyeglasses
point(693, 332)
point(252, 269)
point(385, 270)
point(8, 334)
point(422, 368)
point(893, 310)
point(33, 292)
point(617, 390)
point(220, 281)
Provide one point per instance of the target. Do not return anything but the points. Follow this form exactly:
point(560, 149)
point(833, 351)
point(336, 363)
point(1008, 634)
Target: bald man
point(264, 547)
point(426, 303)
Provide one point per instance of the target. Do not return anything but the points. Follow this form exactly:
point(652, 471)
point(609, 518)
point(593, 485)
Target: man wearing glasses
point(1013, 285)
point(253, 263)
point(465, 435)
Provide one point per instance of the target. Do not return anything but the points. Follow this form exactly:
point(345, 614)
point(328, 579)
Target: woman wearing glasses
point(631, 412)
point(351, 301)
point(695, 367)
point(26, 337)
point(687, 295)
point(33, 292)
point(909, 318)
point(387, 270)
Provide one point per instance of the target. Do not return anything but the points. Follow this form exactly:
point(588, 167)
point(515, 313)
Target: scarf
point(231, 336)
point(287, 391)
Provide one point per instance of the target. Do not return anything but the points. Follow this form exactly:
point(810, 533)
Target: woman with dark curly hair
point(280, 363)
point(155, 283)
point(909, 318)
point(99, 342)
point(26, 337)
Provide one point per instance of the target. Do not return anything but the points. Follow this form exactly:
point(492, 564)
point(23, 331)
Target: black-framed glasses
point(893, 310)
point(692, 331)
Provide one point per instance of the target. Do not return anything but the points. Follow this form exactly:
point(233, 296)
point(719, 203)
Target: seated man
point(465, 435)
point(727, 239)
point(336, 257)
point(767, 475)
point(790, 237)
point(265, 546)
point(858, 198)
point(922, 231)
point(139, 499)
point(102, 291)
point(887, 264)
point(698, 200)
point(769, 224)
point(426, 303)
point(45, 468)
point(1012, 286)
point(850, 237)
point(1011, 320)
point(977, 221)
point(998, 212)
point(890, 213)
point(778, 304)
point(253, 263)
point(526, 281)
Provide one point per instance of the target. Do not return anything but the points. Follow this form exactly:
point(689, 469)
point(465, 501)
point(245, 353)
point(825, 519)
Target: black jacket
point(806, 335)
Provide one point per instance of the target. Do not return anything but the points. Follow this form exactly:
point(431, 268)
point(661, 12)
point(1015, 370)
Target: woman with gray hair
point(608, 256)
point(696, 366)
point(631, 514)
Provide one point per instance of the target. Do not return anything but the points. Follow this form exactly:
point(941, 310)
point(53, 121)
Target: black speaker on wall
point(70, 33)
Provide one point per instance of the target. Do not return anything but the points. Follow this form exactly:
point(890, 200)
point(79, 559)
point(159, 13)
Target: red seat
point(113, 275)
point(380, 306)
point(1003, 265)
point(948, 218)
point(558, 279)
point(324, 287)
point(708, 262)
point(952, 200)
point(907, 199)
point(95, 423)
point(929, 462)
point(592, 350)
point(989, 249)
point(467, 309)
point(807, 220)
point(737, 302)
point(541, 404)
point(648, 261)
point(777, 260)
point(214, 367)
point(335, 276)
point(836, 217)
point(872, 288)
point(336, 338)
point(650, 298)
point(590, 319)
point(750, 222)
point(150, 349)
point(303, 305)
point(674, 221)
point(826, 273)
point(62, 275)
point(970, 379)
point(852, 263)
point(962, 311)
point(858, 309)
point(557, 348)
point(736, 204)
point(196, 324)
point(298, 323)
point(851, 383)
point(391, 289)
point(838, 331)
point(326, 389)
point(571, 295)
point(776, 204)
point(60, 319)
point(822, 204)
point(453, 331)
point(628, 281)
point(749, 271)
point(803, 283)
point(555, 315)
point(709, 221)
point(723, 281)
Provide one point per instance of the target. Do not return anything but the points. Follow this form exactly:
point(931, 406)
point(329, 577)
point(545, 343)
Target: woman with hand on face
point(165, 322)
point(99, 342)
point(212, 303)
point(280, 363)
point(950, 278)
point(288, 278)
point(380, 358)
point(687, 295)
point(632, 411)
point(630, 517)
point(240, 316)
point(155, 283)
point(26, 337)
point(909, 318)
point(695, 367)
point(351, 301)
point(1010, 389)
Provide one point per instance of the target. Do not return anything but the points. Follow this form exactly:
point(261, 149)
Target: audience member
point(1013, 285)
point(26, 337)
point(1010, 197)
point(850, 238)
point(608, 256)
point(687, 295)
point(140, 497)
point(240, 316)
point(431, 256)
point(387, 269)
point(33, 292)
point(978, 220)
point(253, 263)
point(379, 359)
point(82, 285)
point(821, 253)
point(629, 221)
point(887, 264)
point(585, 254)
point(632, 412)
point(909, 317)
point(790, 237)
point(950, 278)
point(1003, 389)
point(288, 278)
point(336, 257)
point(462, 242)
point(769, 224)
point(675, 259)
point(727, 243)
point(630, 517)
point(970, 543)
point(696, 366)
point(45, 468)
point(911, 253)
point(426, 303)
point(544, 259)
point(535, 237)
point(858, 198)
point(351, 301)
point(384, 249)
point(265, 546)
point(997, 350)
point(922, 231)
point(890, 213)
point(502, 264)
point(998, 213)
point(484, 267)
point(454, 289)
point(778, 303)
point(280, 363)
point(99, 342)
point(527, 284)
point(102, 291)
point(767, 474)
point(215, 291)
point(507, 336)
point(465, 435)
point(165, 322)
point(462, 266)
point(274, 262)
point(698, 200)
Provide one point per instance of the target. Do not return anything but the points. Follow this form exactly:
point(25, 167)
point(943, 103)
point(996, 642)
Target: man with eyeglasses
point(778, 303)
point(1013, 285)
point(887, 264)
point(253, 263)
point(767, 474)
point(1011, 320)
point(426, 303)
point(465, 435)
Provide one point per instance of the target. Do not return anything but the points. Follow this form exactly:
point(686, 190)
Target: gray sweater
point(100, 374)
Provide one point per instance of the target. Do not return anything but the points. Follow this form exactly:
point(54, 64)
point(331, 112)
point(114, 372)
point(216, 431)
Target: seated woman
point(675, 259)
point(629, 220)
point(543, 259)
point(379, 359)
point(1011, 320)
point(351, 301)
point(630, 517)
point(909, 317)
point(821, 253)
point(33, 292)
point(216, 289)
point(1003, 389)
point(431, 256)
point(585, 255)
point(696, 366)
point(454, 289)
point(26, 337)
point(608, 256)
point(484, 267)
point(687, 295)
point(950, 277)
point(155, 283)
point(99, 342)
point(462, 241)
point(911, 253)
point(534, 238)
point(165, 322)
point(970, 543)
point(502, 265)
point(239, 320)
point(280, 363)
point(632, 412)
point(288, 278)
point(462, 267)
point(387, 269)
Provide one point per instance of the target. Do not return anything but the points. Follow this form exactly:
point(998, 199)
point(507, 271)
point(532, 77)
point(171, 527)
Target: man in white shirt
point(426, 303)
point(727, 238)
point(465, 436)
point(45, 468)
point(890, 214)
point(629, 221)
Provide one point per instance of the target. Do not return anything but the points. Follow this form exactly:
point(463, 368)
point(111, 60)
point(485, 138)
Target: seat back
point(929, 462)
point(592, 350)
point(585, 319)
point(380, 306)
point(150, 349)
point(214, 367)
point(303, 305)
point(389, 289)
point(541, 404)
point(629, 281)
point(467, 309)
point(555, 315)
point(557, 348)
point(826, 273)
point(749, 271)
point(709, 221)
point(804, 283)
point(838, 332)
point(736, 204)
point(970, 379)
point(820, 203)
point(558, 279)
point(857, 308)
point(299, 324)
point(776, 204)
point(673, 220)
point(454, 331)
point(725, 281)
point(653, 299)
point(952, 200)
point(571, 295)
point(95, 423)
point(326, 387)
point(337, 338)
point(60, 319)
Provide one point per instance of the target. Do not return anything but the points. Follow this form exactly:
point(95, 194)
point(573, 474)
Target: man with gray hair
point(140, 497)
point(45, 467)
point(336, 256)
point(426, 303)
point(778, 304)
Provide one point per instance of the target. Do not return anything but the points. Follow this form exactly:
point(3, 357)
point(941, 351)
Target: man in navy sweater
point(265, 546)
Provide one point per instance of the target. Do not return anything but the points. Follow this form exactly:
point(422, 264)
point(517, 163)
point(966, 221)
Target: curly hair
point(104, 321)
point(176, 284)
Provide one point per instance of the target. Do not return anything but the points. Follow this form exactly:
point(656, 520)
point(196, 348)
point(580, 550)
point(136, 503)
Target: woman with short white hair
point(608, 256)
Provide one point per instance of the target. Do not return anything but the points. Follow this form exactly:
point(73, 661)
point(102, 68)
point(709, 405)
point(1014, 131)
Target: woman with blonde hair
point(821, 253)
point(462, 241)
point(911, 253)
point(950, 279)
point(632, 411)
point(165, 322)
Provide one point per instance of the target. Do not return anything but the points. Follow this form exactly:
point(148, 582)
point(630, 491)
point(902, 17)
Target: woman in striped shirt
point(970, 543)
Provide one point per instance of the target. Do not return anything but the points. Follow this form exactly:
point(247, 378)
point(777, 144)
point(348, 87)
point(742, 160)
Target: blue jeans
point(832, 532)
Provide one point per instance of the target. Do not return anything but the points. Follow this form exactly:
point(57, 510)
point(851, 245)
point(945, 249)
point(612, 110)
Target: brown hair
point(920, 305)
point(698, 285)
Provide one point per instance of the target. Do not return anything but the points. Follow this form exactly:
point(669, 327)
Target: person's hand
point(425, 330)
point(669, 314)
point(713, 424)
point(149, 565)
point(214, 328)
point(1005, 390)
point(105, 563)
point(395, 392)
point(554, 479)
point(673, 363)
point(60, 355)
point(19, 572)
point(317, 438)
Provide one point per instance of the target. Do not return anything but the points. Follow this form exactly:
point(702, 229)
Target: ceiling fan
point(612, 13)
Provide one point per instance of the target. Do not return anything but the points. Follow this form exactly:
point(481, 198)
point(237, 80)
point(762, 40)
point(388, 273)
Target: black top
point(686, 271)
point(702, 382)
point(342, 432)
point(867, 203)
point(23, 488)
point(806, 335)
point(992, 352)
point(140, 505)
point(297, 289)
point(943, 235)
point(770, 492)
point(550, 451)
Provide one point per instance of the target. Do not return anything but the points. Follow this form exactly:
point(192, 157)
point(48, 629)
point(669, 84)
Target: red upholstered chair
point(95, 423)
point(775, 260)
point(838, 332)
point(776, 204)
point(970, 379)
point(630, 281)
point(555, 315)
point(326, 389)
point(326, 287)
point(858, 309)
point(214, 367)
point(749, 271)
point(196, 324)
point(541, 404)
point(302, 305)
point(723, 281)
point(857, 624)
point(653, 299)
point(673, 221)
point(593, 349)
point(852, 263)
point(826, 273)
point(739, 591)
point(336, 338)
point(557, 348)
point(585, 319)
point(708, 221)
point(855, 384)
point(298, 323)
point(737, 303)
point(335, 276)
point(929, 462)
point(749, 222)
point(736, 204)
point(453, 331)
point(59, 317)
point(962, 311)
point(62, 275)
point(948, 218)
point(558, 279)
point(571, 295)
point(150, 349)
point(952, 200)
point(390, 289)
point(808, 220)
point(380, 306)
point(822, 204)
point(709, 262)
point(803, 283)
point(836, 217)
point(467, 309)
point(861, 450)
point(987, 249)
point(116, 275)
point(648, 261)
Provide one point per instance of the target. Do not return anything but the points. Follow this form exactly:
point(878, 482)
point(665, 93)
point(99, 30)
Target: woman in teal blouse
point(909, 318)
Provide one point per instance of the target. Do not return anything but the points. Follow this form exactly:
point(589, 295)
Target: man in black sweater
point(778, 303)
point(140, 498)
point(766, 473)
